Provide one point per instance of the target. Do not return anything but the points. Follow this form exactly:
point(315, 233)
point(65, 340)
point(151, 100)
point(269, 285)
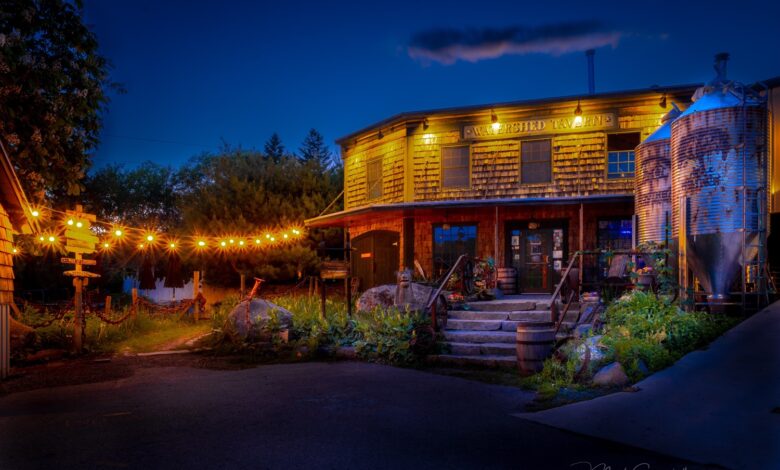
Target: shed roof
point(12, 195)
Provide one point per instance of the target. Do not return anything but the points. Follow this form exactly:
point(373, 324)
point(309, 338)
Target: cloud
point(447, 46)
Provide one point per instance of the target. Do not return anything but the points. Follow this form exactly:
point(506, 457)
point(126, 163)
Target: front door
point(536, 253)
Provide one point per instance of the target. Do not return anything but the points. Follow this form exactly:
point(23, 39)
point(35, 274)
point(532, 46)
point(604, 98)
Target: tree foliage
point(274, 149)
point(53, 85)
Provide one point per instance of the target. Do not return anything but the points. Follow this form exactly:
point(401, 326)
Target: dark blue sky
point(201, 72)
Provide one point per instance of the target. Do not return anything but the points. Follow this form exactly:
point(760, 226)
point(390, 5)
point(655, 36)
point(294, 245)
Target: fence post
point(135, 301)
point(195, 293)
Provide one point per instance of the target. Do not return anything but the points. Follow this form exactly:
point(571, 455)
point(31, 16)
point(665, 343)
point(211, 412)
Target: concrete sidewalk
point(713, 406)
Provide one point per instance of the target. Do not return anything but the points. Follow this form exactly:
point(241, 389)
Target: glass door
point(537, 254)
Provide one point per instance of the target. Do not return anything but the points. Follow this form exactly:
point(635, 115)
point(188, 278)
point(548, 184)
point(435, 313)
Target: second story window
point(620, 154)
point(455, 171)
point(536, 161)
point(374, 178)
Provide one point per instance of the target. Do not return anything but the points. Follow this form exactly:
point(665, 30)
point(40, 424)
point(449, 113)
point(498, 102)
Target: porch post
point(495, 240)
point(582, 239)
point(408, 243)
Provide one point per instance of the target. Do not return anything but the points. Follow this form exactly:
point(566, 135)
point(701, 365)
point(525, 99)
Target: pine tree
point(314, 150)
point(274, 149)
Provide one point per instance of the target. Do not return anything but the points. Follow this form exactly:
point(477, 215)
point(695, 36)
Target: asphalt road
point(308, 415)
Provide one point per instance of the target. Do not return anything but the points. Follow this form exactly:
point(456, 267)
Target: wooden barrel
point(506, 279)
point(535, 340)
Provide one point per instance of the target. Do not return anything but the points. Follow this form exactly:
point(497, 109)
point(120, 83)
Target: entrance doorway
point(375, 258)
point(536, 250)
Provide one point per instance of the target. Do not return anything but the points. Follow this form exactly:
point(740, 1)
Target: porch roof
point(343, 218)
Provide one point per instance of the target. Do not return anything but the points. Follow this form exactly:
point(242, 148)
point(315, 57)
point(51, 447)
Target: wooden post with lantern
point(79, 240)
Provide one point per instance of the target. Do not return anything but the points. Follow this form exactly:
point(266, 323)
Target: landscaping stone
point(611, 375)
point(412, 297)
point(253, 324)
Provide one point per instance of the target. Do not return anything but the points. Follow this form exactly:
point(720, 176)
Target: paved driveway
point(309, 415)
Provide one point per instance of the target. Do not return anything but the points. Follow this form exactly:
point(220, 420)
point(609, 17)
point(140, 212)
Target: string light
point(111, 232)
point(14, 250)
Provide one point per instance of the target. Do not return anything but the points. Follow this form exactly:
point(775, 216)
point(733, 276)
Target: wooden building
point(526, 183)
point(14, 217)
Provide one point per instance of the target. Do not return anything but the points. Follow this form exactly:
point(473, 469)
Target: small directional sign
point(79, 239)
point(87, 262)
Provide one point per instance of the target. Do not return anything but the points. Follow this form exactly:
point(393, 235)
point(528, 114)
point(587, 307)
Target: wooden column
point(78, 326)
point(582, 240)
point(195, 293)
point(408, 243)
point(495, 240)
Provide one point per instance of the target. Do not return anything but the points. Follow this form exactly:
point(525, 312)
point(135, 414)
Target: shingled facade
point(526, 183)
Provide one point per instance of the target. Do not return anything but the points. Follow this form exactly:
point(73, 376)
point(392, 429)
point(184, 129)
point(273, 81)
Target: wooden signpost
point(79, 240)
point(335, 270)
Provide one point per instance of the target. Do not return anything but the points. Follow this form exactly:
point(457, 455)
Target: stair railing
point(432, 301)
point(557, 316)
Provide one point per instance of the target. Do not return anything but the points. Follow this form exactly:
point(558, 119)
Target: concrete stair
point(482, 334)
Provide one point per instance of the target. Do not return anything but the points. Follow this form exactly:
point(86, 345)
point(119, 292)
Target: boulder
point(414, 298)
point(611, 375)
point(254, 323)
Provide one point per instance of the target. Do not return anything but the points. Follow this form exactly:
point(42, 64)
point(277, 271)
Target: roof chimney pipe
point(721, 60)
point(591, 78)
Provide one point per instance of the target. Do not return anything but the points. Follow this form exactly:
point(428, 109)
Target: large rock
point(611, 375)
point(413, 297)
point(254, 323)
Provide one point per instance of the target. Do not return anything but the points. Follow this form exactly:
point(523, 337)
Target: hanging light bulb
point(201, 243)
point(79, 224)
point(223, 243)
point(241, 243)
point(578, 114)
point(150, 237)
point(35, 213)
point(51, 239)
point(118, 233)
point(70, 221)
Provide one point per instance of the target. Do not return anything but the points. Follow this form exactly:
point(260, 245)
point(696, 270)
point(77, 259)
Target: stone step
point(463, 336)
point(477, 315)
point(485, 349)
point(495, 362)
point(474, 325)
point(507, 305)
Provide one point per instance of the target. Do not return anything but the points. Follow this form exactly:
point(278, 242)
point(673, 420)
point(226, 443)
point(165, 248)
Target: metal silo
point(719, 170)
point(652, 184)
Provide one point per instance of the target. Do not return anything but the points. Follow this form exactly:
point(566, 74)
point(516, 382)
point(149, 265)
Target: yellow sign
point(78, 237)
point(546, 125)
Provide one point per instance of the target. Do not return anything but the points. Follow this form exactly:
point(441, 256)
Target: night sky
point(198, 73)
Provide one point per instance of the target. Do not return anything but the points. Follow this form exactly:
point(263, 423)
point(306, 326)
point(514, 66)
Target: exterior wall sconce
point(494, 120)
point(425, 124)
point(578, 114)
point(662, 103)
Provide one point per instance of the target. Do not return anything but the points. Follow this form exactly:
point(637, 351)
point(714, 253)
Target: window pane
point(535, 157)
point(451, 241)
point(620, 164)
point(374, 178)
point(455, 167)
point(612, 234)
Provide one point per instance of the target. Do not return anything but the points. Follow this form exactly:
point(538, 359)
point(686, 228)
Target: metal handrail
point(559, 288)
point(431, 305)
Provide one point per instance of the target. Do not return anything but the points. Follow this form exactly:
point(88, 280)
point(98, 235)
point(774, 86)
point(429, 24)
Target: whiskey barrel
point(535, 340)
point(506, 279)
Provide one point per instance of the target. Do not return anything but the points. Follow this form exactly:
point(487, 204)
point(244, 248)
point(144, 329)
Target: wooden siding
point(579, 159)
point(391, 149)
point(6, 258)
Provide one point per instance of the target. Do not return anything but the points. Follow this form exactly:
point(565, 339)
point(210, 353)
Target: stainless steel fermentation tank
point(719, 169)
